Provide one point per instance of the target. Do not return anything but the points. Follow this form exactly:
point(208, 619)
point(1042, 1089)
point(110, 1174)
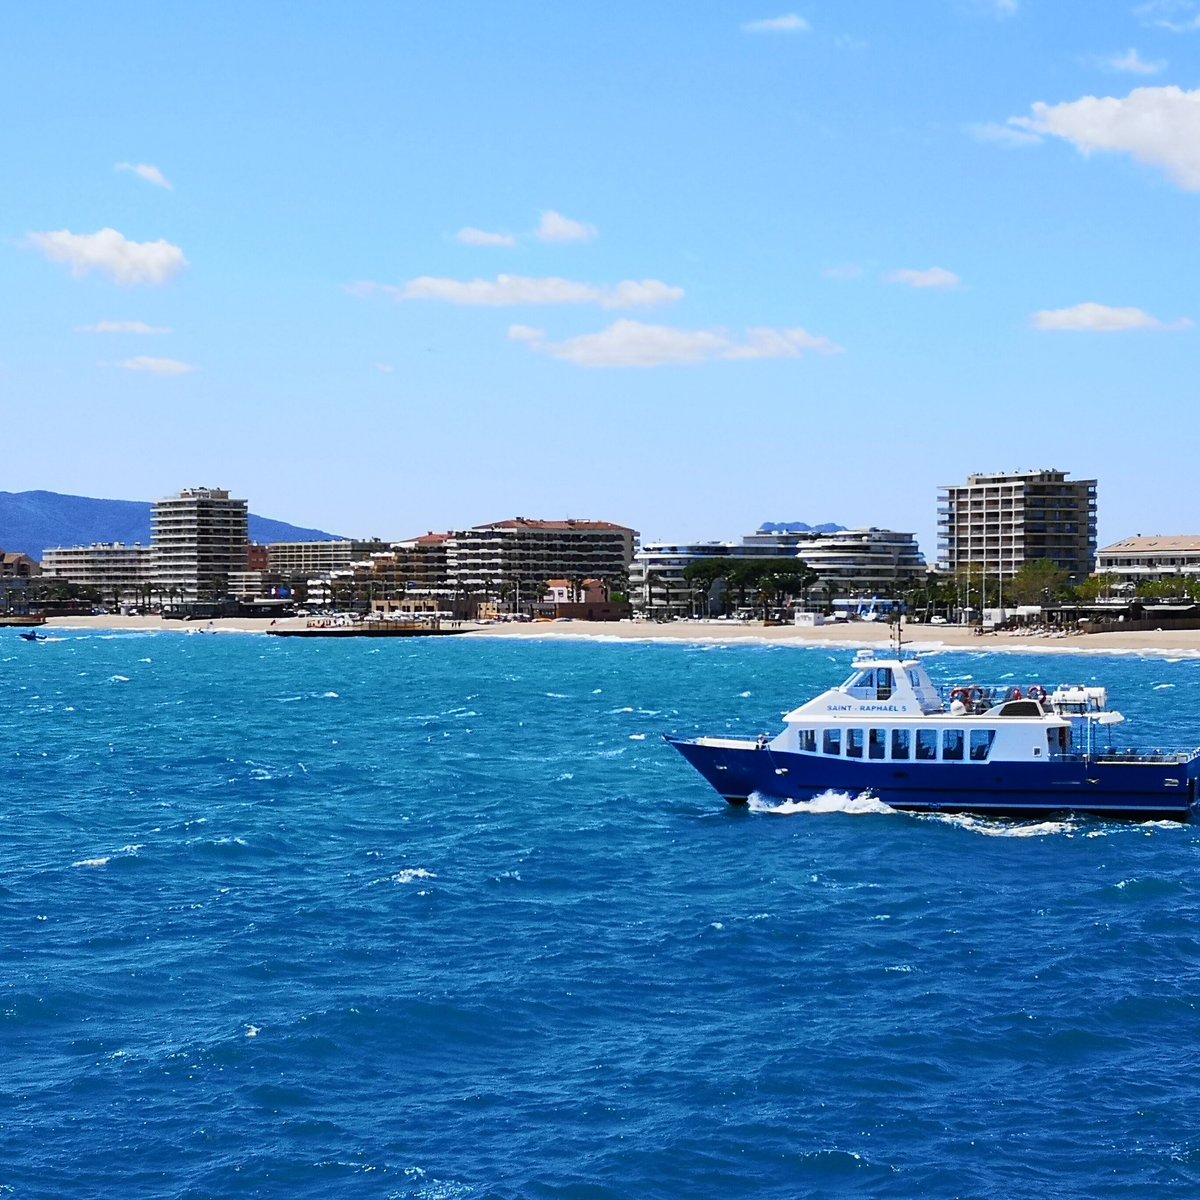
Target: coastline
point(922, 638)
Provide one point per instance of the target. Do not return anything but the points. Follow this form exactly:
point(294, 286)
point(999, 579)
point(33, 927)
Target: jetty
point(327, 628)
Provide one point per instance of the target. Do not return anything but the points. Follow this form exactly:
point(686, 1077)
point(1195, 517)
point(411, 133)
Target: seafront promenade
point(920, 637)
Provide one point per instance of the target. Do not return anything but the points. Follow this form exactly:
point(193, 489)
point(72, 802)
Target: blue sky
point(388, 267)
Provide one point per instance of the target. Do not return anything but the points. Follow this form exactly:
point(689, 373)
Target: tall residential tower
point(200, 539)
point(1000, 522)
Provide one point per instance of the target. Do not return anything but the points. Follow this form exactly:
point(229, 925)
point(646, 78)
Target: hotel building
point(1001, 521)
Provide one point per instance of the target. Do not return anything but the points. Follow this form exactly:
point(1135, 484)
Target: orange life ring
point(1037, 692)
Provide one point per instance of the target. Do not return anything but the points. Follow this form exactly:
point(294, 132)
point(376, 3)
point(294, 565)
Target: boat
point(1001, 750)
point(32, 636)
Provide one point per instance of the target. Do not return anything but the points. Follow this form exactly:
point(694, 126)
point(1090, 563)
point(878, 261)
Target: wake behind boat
point(1011, 751)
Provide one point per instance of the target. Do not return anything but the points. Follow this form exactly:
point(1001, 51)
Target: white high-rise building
point(200, 540)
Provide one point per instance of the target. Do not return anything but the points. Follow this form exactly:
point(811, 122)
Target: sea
point(431, 919)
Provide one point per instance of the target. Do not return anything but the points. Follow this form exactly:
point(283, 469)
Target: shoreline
point(920, 638)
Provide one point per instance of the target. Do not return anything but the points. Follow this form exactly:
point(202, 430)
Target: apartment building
point(529, 551)
point(849, 562)
point(200, 541)
point(1150, 559)
point(863, 562)
point(1001, 521)
point(302, 559)
point(119, 572)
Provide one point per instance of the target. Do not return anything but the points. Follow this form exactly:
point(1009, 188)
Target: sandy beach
point(920, 637)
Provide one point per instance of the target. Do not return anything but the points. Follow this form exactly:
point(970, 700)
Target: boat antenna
point(898, 635)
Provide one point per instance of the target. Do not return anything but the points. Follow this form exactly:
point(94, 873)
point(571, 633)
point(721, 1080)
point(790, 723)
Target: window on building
point(854, 743)
point(900, 740)
point(833, 741)
point(981, 744)
point(952, 745)
point(927, 744)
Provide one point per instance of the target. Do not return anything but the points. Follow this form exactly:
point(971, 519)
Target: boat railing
point(1114, 756)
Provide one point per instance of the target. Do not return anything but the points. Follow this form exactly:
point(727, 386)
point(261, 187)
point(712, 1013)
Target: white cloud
point(112, 253)
point(121, 327)
point(1003, 135)
point(148, 173)
point(554, 227)
point(507, 290)
point(1179, 16)
point(1101, 318)
point(844, 271)
point(934, 277)
point(481, 237)
point(1132, 63)
point(1157, 126)
point(628, 343)
point(155, 366)
point(788, 23)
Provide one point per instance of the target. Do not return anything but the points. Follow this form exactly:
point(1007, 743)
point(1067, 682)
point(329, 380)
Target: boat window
point(981, 744)
point(854, 743)
point(877, 743)
point(808, 741)
point(914, 677)
point(900, 739)
point(927, 743)
point(833, 741)
point(952, 744)
point(883, 684)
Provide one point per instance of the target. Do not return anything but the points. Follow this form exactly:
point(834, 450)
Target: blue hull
point(1145, 791)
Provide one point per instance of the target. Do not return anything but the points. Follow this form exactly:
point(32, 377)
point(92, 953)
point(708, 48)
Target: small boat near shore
point(1001, 750)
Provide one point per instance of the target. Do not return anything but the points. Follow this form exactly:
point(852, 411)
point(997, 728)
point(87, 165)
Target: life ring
point(1037, 692)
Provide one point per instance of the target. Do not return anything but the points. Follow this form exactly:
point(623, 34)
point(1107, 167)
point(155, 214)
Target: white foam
point(412, 874)
point(118, 679)
point(637, 737)
point(827, 802)
point(990, 827)
point(92, 862)
point(253, 1030)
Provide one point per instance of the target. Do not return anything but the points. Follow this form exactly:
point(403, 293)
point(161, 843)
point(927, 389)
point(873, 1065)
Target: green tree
point(1037, 582)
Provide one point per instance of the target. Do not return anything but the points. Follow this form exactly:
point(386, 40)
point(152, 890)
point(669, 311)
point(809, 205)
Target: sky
point(382, 268)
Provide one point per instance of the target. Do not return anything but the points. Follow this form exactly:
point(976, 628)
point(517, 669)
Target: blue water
point(445, 918)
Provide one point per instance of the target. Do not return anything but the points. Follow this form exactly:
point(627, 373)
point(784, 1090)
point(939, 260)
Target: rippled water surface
point(446, 918)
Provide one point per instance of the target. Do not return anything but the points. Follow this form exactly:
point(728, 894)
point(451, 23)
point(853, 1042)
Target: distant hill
point(798, 527)
point(30, 522)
